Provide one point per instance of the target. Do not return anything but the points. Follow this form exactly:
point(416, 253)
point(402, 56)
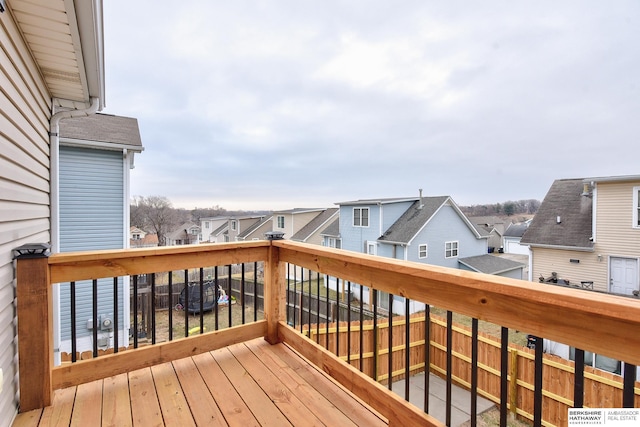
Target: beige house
point(292, 221)
point(312, 232)
point(52, 69)
point(587, 234)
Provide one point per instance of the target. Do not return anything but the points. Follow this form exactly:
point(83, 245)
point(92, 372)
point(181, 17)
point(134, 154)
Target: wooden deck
point(248, 384)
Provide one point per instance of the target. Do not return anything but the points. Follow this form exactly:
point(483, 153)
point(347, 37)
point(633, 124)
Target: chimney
point(421, 201)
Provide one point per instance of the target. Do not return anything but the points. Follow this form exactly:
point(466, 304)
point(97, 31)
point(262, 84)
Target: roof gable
point(564, 218)
point(106, 128)
point(315, 224)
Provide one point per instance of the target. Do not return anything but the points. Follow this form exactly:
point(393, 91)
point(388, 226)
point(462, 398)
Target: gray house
point(96, 155)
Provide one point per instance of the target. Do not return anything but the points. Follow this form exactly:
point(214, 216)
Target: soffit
point(66, 42)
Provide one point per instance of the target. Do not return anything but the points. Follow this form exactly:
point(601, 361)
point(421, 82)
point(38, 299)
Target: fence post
point(35, 326)
point(274, 290)
point(513, 384)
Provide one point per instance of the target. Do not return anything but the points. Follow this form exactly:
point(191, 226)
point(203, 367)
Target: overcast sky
point(282, 104)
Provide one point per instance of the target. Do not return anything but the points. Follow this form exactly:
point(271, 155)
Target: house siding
point(615, 235)
point(546, 261)
point(25, 108)
point(91, 218)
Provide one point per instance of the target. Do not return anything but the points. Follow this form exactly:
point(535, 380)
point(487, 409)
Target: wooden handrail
point(602, 323)
point(606, 324)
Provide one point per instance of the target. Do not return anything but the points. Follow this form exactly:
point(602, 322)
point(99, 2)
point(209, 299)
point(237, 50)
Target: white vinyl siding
point(91, 218)
point(24, 184)
point(636, 207)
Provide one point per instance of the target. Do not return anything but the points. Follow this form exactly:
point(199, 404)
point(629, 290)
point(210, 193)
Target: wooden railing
point(603, 324)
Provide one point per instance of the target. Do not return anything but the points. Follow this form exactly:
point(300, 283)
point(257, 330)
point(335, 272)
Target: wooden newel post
point(35, 326)
point(274, 292)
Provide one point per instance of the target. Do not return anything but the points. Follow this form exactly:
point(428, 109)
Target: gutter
point(54, 144)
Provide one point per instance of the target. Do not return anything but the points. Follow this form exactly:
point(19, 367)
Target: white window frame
point(423, 251)
point(451, 249)
point(358, 217)
point(372, 248)
point(636, 208)
point(280, 221)
point(234, 225)
point(206, 224)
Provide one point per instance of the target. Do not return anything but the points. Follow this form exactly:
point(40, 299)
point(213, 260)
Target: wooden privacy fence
point(601, 389)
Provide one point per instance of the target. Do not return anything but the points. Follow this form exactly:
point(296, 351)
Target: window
point(422, 251)
point(206, 224)
point(332, 242)
point(234, 225)
point(136, 237)
point(280, 221)
point(636, 207)
point(360, 217)
point(598, 361)
point(372, 248)
point(450, 249)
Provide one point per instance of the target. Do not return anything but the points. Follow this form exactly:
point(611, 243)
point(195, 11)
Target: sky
point(271, 105)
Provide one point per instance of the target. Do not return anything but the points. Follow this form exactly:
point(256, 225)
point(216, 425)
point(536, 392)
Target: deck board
point(244, 385)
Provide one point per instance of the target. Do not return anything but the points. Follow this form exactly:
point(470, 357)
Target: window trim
point(278, 218)
point(636, 208)
point(426, 251)
point(451, 249)
point(359, 217)
point(234, 225)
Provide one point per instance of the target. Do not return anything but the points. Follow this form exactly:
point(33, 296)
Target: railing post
point(35, 326)
point(274, 292)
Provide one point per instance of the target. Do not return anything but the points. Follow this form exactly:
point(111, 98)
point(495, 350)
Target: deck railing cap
point(32, 250)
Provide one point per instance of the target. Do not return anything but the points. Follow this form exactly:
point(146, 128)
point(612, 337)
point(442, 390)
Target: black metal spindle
point(295, 297)
point(116, 324)
point(288, 310)
point(255, 291)
point(348, 322)
point(229, 294)
point(375, 334)
point(301, 299)
point(474, 371)
point(94, 297)
point(448, 402)
point(407, 346)
point(187, 299)
point(153, 308)
point(135, 311)
point(326, 322)
point(427, 355)
point(578, 384)
point(338, 316)
point(309, 304)
point(390, 343)
point(242, 292)
point(170, 290)
point(629, 379)
point(537, 383)
point(318, 308)
point(504, 374)
point(74, 333)
point(201, 290)
point(216, 283)
point(361, 332)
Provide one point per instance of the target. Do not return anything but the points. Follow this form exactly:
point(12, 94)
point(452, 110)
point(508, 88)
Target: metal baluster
point(94, 297)
point(390, 343)
point(578, 384)
point(474, 371)
point(116, 324)
point(537, 387)
point(74, 334)
point(449, 365)
point(504, 373)
point(407, 347)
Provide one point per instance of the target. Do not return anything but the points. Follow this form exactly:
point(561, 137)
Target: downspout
point(54, 144)
point(54, 171)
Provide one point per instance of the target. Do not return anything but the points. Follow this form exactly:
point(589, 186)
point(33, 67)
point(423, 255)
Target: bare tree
point(158, 215)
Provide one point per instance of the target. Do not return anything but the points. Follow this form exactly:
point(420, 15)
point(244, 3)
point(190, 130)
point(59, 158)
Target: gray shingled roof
point(490, 264)
point(312, 226)
point(516, 230)
point(564, 200)
point(333, 229)
point(102, 128)
point(410, 223)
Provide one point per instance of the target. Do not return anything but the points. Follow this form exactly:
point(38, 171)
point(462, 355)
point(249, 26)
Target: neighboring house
point(213, 228)
point(141, 239)
point(96, 154)
point(291, 221)
point(187, 234)
point(136, 234)
point(331, 234)
point(431, 230)
point(512, 236)
point(257, 230)
point(587, 234)
point(238, 225)
point(52, 69)
point(312, 231)
point(493, 225)
point(588, 230)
